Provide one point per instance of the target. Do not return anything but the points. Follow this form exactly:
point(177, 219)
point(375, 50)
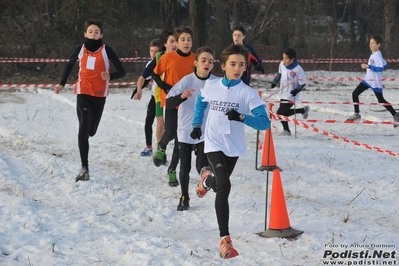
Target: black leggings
point(149, 120)
point(360, 89)
point(170, 134)
point(89, 110)
point(222, 168)
point(285, 110)
point(185, 152)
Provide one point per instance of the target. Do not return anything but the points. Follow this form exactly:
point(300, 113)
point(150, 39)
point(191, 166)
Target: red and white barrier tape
point(339, 79)
point(329, 134)
point(332, 60)
point(334, 121)
point(340, 103)
point(7, 86)
point(57, 60)
point(32, 60)
point(146, 59)
point(344, 79)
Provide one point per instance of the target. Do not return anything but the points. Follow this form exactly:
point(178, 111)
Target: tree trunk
point(389, 14)
point(197, 9)
point(351, 18)
point(235, 14)
point(223, 30)
point(300, 25)
point(361, 12)
point(171, 15)
point(334, 31)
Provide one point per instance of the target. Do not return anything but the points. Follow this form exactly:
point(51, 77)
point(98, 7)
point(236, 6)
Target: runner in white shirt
point(230, 101)
point(292, 81)
point(184, 95)
point(373, 80)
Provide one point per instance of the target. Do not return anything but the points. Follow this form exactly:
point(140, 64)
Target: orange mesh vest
point(91, 64)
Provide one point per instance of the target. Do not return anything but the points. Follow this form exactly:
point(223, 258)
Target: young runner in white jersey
point(230, 101)
point(184, 94)
point(292, 81)
point(373, 80)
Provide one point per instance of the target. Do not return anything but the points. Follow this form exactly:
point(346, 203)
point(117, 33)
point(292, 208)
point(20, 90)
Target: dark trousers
point(360, 89)
point(170, 134)
point(185, 153)
point(222, 168)
point(285, 110)
point(149, 120)
point(89, 110)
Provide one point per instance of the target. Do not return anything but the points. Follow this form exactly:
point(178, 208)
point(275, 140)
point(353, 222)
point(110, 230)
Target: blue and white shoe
point(147, 152)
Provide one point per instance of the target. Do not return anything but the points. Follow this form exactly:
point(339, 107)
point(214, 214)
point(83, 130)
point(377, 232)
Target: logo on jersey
point(293, 74)
point(371, 62)
point(222, 106)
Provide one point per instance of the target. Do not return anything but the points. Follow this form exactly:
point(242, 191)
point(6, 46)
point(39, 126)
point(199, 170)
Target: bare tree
point(264, 18)
point(300, 25)
point(171, 16)
point(390, 7)
point(198, 21)
point(221, 31)
point(351, 21)
point(334, 27)
point(51, 28)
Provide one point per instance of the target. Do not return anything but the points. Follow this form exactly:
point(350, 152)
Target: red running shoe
point(226, 248)
point(201, 189)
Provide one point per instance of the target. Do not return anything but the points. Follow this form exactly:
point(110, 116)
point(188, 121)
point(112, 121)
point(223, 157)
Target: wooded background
point(320, 29)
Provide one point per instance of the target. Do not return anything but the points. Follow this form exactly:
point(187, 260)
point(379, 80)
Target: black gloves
point(297, 90)
point(276, 80)
point(294, 92)
point(234, 115)
point(260, 68)
point(196, 133)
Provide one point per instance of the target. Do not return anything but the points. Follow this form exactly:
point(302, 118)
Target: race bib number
point(224, 125)
point(91, 62)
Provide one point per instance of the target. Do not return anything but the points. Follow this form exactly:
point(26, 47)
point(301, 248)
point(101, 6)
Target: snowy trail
point(336, 192)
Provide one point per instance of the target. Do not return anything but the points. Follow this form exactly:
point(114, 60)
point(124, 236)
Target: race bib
point(91, 62)
point(224, 124)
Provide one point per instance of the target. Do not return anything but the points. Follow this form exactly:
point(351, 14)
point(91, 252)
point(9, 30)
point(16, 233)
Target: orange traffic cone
point(279, 223)
point(269, 157)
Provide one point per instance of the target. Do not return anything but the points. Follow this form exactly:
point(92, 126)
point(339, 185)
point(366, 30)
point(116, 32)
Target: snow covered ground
point(343, 196)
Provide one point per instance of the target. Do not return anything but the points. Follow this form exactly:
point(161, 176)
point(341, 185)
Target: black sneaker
point(306, 113)
point(184, 204)
point(83, 174)
point(396, 119)
point(172, 176)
